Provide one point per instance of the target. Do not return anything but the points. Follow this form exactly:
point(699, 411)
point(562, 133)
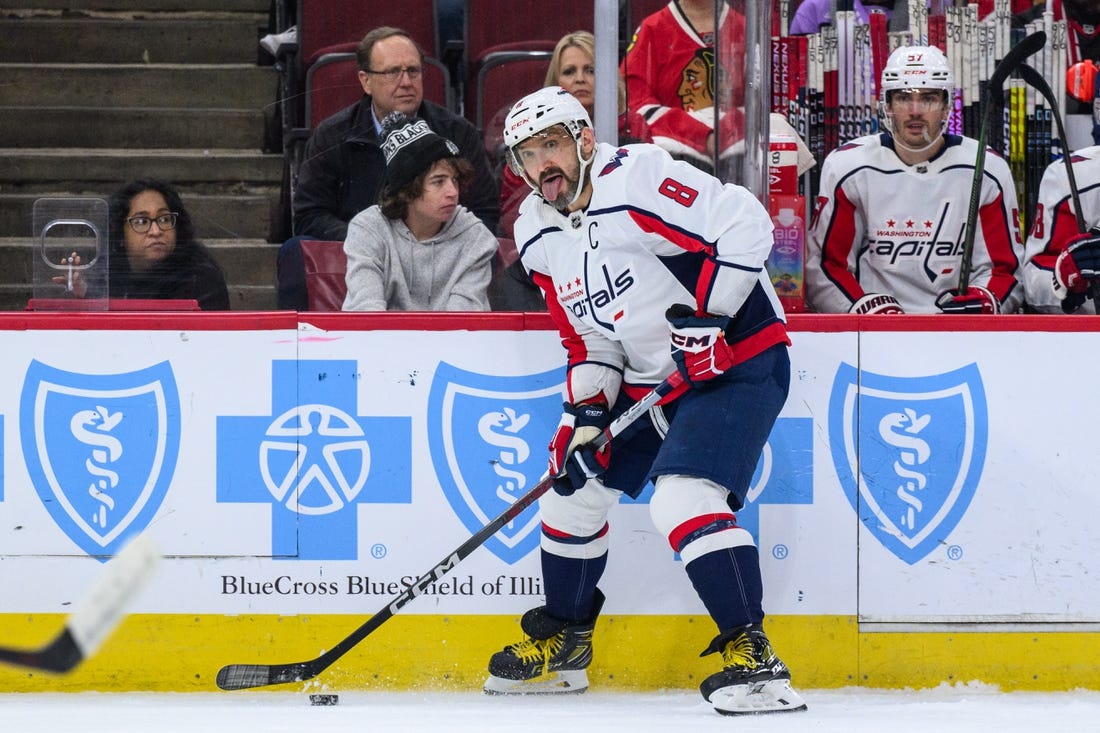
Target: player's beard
point(563, 195)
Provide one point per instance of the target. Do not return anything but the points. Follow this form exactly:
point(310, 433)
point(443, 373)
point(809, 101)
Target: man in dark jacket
point(343, 164)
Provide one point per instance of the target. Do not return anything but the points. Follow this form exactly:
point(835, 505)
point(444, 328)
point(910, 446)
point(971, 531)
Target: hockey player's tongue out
point(552, 185)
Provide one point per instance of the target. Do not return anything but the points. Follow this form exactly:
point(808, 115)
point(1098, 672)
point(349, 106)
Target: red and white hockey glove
point(876, 303)
point(699, 345)
point(976, 300)
point(573, 461)
point(1077, 270)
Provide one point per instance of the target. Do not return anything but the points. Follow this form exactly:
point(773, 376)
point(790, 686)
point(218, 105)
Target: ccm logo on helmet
point(520, 123)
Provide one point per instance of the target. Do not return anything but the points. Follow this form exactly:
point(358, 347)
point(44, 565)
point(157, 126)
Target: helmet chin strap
point(931, 141)
point(583, 169)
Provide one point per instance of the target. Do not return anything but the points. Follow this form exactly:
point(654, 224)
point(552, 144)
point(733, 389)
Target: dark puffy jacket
point(343, 164)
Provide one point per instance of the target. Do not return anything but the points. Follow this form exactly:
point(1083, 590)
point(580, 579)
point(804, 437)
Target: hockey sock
point(728, 582)
point(571, 585)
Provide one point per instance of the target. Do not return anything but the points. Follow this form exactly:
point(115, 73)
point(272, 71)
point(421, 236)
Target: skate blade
point(556, 683)
point(775, 696)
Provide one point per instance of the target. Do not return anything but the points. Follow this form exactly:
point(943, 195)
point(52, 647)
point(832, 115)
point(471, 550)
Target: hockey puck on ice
point(324, 699)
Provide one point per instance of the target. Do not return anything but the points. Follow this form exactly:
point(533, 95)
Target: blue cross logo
point(313, 460)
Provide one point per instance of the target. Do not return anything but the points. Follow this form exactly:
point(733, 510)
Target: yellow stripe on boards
point(183, 653)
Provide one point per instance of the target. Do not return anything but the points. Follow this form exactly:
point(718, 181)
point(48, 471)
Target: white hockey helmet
point(539, 111)
point(912, 68)
point(916, 67)
point(542, 109)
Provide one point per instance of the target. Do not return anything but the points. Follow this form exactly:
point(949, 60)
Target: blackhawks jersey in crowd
point(881, 226)
point(1056, 222)
point(655, 232)
point(670, 70)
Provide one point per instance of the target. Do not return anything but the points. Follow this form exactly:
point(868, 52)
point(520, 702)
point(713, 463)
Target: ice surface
point(958, 708)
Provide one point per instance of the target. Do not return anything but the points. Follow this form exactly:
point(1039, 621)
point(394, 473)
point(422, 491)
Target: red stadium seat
point(325, 266)
point(504, 74)
point(507, 54)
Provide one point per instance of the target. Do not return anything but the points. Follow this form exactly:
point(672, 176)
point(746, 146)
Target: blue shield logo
point(909, 452)
point(100, 449)
point(487, 436)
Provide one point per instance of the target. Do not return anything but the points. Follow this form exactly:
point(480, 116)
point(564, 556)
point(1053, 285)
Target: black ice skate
point(552, 660)
point(753, 679)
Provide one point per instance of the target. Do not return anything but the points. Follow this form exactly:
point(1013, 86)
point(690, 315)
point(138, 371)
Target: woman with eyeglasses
point(153, 252)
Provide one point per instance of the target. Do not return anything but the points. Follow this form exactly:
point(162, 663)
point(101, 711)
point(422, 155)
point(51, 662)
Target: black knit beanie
point(410, 148)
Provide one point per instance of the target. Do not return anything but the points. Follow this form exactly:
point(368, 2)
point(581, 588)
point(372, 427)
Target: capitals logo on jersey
point(487, 436)
point(897, 238)
point(596, 291)
point(100, 449)
point(909, 452)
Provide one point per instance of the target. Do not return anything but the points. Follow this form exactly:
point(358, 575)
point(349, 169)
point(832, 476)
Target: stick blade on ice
point(245, 676)
point(97, 613)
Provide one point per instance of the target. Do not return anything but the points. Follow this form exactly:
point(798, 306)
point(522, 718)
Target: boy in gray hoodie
point(418, 249)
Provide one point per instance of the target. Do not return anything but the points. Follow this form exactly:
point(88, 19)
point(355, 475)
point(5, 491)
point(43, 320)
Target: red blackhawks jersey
point(1056, 222)
point(881, 226)
point(670, 70)
point(655, 232)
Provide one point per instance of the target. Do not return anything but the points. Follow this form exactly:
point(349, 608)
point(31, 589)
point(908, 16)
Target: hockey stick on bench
point(1035, 79)
point(97, 612)
point(993, 90)
point(243, 676)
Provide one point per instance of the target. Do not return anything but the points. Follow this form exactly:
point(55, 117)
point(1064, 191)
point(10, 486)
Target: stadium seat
point(507, 54)
point(505, 73)
point(325, 265)
point(506, 253)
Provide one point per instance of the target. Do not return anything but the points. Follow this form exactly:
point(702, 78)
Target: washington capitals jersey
point(655, 232)
point(1056, 222)
point(881, 226)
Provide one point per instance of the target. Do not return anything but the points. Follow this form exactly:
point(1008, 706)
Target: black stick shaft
point(1011, 61)
point(1035, 79)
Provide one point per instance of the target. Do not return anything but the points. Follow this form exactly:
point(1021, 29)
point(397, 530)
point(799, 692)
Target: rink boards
point(924, 508)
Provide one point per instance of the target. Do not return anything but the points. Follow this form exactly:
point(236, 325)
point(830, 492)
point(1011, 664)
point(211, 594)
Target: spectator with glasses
point(343, 162)
point(153, 251)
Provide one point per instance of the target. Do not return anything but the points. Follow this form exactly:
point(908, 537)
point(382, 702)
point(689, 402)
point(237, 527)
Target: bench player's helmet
point(914, 68)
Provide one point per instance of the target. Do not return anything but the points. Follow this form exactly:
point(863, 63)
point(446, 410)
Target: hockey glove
point(876, 303)
point(573, 461)
point(976, 300)
point(699, 345)
point(1077, 270)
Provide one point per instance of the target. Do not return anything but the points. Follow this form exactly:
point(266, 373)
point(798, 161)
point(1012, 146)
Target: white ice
point(945, 709)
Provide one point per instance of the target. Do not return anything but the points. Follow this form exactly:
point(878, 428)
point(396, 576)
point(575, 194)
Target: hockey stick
point(993, 91)
point(1035, 79)
point(97, 613)
point(243, 676)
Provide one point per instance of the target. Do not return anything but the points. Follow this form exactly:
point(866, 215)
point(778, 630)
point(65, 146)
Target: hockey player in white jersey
point(890, 218)
point(648, 265)
point(1063, 265)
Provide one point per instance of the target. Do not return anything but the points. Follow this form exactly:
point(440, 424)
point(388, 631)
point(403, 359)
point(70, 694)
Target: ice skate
point(552, 660)
point(753, 679)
